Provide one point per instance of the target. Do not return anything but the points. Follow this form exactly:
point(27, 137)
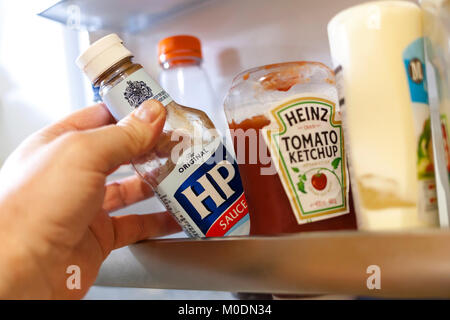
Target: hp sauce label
point(207, 198)
point(213, 195)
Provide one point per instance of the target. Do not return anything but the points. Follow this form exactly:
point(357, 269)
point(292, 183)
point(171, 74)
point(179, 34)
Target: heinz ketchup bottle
point(289, 143)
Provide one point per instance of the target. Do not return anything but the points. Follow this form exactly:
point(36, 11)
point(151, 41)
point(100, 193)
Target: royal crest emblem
point(137, 92)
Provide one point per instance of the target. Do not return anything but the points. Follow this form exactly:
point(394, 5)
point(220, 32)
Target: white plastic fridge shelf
point(412, 265)
point(116, 15)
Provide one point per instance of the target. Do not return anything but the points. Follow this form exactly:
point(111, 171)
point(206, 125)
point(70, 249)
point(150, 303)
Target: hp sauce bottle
point(192, 172)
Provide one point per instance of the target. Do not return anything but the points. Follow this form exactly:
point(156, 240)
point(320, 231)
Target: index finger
point(87, 118)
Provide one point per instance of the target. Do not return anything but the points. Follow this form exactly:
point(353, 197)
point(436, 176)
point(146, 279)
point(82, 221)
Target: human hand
point(54, 203)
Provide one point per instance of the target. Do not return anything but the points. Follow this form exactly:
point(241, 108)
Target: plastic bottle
point(184, 78)
point(190, 169)
point(377, 50)
point(289, 140)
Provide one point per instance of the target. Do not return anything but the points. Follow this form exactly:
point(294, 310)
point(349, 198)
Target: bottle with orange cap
point(190, 169)
point(184, 78)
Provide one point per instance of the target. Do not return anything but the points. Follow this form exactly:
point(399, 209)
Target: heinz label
point(205, 194)
point(306, 142)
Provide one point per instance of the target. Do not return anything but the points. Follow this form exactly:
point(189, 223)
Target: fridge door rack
point(407, 264)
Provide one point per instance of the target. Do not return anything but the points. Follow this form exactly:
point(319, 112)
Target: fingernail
point(148, 111)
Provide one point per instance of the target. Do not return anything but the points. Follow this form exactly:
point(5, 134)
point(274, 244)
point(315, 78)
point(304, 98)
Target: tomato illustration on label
point(319, 179)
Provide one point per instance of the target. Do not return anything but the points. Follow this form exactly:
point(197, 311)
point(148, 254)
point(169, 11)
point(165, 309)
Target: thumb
point(113, 145)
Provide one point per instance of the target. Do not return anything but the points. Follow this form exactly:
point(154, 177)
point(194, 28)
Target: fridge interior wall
point(238, 35)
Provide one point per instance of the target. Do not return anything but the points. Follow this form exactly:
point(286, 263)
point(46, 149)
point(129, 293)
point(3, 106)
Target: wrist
point(20, 275)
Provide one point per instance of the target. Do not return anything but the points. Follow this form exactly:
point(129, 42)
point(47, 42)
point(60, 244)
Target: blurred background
point(40, 83)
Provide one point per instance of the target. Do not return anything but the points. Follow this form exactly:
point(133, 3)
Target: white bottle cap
point(101, 55)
